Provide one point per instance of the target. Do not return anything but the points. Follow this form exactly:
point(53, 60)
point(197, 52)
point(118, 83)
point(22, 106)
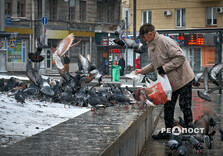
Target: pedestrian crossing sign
point(12, 43)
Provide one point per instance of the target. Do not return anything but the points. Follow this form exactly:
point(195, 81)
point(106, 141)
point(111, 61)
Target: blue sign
point(44, 20)
point(8, 21)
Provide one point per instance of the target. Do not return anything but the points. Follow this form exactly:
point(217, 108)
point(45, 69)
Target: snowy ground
point(18, 122)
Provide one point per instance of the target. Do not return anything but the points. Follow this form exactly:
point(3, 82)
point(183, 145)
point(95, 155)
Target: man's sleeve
point(148, 68)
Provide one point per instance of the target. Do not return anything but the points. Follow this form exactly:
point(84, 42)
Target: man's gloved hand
point(160, 70)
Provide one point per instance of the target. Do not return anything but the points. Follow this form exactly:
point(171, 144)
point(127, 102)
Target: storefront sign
point(114, 50)
point(196, 39)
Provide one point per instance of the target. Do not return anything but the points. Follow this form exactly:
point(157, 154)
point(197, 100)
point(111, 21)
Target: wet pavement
point(199, 106)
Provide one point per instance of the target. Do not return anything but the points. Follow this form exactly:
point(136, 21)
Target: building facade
point(88, 20)
point(199, 47)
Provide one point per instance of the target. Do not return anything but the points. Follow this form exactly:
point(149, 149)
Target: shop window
point(180, 18)
point(211, 16)
point(194, 58)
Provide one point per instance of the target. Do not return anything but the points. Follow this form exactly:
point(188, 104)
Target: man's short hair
point(145, 28)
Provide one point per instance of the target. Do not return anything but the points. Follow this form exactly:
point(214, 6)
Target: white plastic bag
point(161, 89)
point(136, 78)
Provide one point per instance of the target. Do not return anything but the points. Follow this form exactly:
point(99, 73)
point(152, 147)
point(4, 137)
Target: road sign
point(12, 43)
point(8, 20)
point(44, 20)
point(41, 30)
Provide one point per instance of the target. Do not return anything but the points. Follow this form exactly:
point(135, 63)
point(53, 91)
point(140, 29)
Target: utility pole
point(134, 30)
point(42, 64)
point(2, 29)
point(220, 61)
point(2, 17)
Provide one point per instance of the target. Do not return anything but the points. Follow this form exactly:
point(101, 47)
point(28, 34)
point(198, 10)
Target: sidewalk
point(160, 148)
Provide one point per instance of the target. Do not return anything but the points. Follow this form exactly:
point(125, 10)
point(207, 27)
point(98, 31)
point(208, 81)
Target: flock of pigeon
point(70, 89)
point(181, 143)
point(124, 41)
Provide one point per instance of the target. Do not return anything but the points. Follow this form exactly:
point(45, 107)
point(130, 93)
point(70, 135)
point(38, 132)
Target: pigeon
point(85, 67)
point(130, 90)
point(212, 74)
point(204, 138)
point(56, 89)
point(212, 123)
point(129, 96)
point(61, 49)
point(81, 98)
point(21, 85)
point(221, 133)
point(196, 144)
point(31, 91)
point(181, 121)
point(197, 78)
point(9, 85)
point(2, 82)
point(172, 143)
point(104, 100)
point(31, 73)
point(203, 122)
point(45, 87)
point(20, 97)
point(67, 98)
point(118, 33)
point(211, 134)
point(205, 95)
point(36, 57)
point(182, 150)
point(132, 44)
point(94, 101)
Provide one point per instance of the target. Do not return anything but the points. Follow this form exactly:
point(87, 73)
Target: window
point(180, 18)
point(99, 12)
point(211, 15)
point(110, 13)
point(39, 9)
point(21, 8)
point(72, 10)
point(83, 10)
point(146, 17)
point(53, 9)
point(8, 7)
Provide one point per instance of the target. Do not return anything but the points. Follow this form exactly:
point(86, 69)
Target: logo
point(176, 130)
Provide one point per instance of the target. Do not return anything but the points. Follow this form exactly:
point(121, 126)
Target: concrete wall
point(132, 141)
